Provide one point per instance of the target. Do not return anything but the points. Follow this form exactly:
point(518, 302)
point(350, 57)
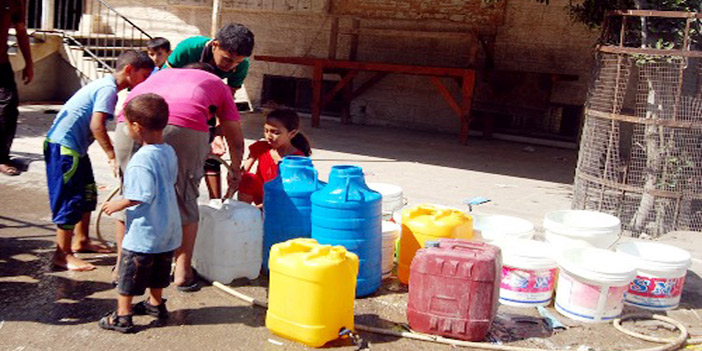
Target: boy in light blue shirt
point(69, 174)
point(153, 218)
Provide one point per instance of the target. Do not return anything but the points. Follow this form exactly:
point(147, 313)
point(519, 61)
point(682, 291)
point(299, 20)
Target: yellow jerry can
point(429, 223)
point(311, 291)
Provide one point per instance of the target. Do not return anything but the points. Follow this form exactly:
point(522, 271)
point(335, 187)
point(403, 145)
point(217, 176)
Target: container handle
point(316, 179)
point(346, 189)
point(462, 245)
point(442, 213)
point(229, 168)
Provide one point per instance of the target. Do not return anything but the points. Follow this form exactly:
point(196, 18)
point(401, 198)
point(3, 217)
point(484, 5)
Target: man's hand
point(233, 180)
point(218, 147)
point(28, 73)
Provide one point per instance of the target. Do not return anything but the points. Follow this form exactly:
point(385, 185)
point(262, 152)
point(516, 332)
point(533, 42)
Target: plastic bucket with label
point(528, 273)
point(592, 283)
point(660, 275)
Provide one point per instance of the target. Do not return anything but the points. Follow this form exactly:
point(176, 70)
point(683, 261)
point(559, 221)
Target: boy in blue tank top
point(69, 174)
point(153, 217)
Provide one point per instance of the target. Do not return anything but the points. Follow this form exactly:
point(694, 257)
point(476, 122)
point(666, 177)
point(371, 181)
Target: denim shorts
point(138, 271)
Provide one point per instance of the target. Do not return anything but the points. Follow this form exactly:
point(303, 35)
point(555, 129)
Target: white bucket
point(528, 272)
point(569, 228)
point(392, 197)
point(391, 231)
point(592, 283)
point(496, 227)
point(660, 275)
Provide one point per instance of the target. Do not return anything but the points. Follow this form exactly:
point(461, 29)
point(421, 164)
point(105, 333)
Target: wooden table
point(349, 69)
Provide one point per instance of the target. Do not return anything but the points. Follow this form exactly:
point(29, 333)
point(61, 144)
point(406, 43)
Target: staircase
point(95, 55)
point(99, 36)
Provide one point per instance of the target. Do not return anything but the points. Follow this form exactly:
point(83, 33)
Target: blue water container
point(286, 203)
point(346, 212)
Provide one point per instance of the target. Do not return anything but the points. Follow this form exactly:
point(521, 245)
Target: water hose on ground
point(109, 197)
point(669, 344)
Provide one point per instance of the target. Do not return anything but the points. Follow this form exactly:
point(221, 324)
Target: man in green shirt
point(228, 52)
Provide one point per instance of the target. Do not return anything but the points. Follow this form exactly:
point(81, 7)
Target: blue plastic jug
point(346, 212)
point(286, 203)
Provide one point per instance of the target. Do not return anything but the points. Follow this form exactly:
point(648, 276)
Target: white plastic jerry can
point(229, 241)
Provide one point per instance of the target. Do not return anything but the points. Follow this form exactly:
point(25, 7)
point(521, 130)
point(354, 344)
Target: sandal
point(192, 286)
point(112, 321)
point(144, 308)
point(9, 170)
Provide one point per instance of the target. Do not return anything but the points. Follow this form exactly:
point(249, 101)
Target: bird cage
point(640, 153)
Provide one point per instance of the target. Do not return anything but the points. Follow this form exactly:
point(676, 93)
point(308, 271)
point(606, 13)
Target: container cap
point(296, 160)
point(597, 265)
point(526, 254)
point(581, 223)
point(431, 243)
point(387, 190)
point(654, 256)
point(390, 228)
point(346, 171)
point(495, 227)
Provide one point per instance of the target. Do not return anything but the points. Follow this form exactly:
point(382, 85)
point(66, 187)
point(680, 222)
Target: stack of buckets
point(593, 282)
point(392, 202)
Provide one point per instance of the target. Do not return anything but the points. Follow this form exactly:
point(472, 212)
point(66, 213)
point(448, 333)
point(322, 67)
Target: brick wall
point(534, 39)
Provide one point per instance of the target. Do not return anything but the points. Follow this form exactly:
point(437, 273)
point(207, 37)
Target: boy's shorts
point(138, 271)
point(72, 189)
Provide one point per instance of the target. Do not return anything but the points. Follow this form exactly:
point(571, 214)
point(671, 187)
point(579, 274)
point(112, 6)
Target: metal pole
point(47, 14)
point(216, 17)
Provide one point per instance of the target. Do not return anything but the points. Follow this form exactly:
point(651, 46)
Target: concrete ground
point(42, 309)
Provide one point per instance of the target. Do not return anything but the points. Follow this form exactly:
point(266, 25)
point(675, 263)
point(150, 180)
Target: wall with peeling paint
point(533, 44)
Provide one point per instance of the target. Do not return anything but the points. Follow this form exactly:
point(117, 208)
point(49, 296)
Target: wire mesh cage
point(640, 154)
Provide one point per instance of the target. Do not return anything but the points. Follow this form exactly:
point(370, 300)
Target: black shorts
point(138, 271)
point(212, 166)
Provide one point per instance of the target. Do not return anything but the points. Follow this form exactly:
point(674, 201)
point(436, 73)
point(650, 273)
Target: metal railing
point(93, 26)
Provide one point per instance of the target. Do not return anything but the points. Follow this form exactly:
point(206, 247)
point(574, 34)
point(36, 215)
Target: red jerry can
point(454, 288)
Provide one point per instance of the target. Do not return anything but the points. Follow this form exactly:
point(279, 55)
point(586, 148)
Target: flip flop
point(9, 170)
point(189, 287)
point(192, 286)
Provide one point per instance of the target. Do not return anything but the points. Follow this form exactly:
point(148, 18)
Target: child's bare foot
point(90, 247)
point(70, 262)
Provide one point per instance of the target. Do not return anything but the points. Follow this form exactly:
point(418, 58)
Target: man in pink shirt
point(194, 96)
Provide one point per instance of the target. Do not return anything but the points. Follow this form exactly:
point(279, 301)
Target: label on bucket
point(526, 285)
point(657, 293)
point(583, 301)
